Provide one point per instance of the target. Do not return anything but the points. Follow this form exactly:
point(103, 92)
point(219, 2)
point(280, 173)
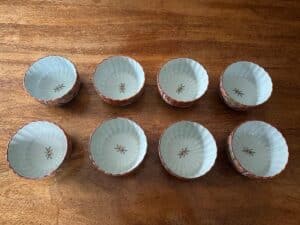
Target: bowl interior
point(260, 148)
point(118, 146)
point(247, 83)
point(50, 78)
point(37, 149)
point(183, 79)
point(119, 77)
point(188, 149)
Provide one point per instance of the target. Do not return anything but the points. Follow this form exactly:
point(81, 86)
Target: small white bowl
point(38, 149)
point(187, 150)
point(245, 85)
point(118, 146)
point(258, 150)
point(52, 80)
point(119, 80)
point(181, 82)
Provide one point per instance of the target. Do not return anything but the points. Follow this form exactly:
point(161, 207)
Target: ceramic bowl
point(258, 150)
point(119, 80)
point(187, 150)
point(118, 146)
point(52, 80)
point(244, 85)
point(181, 82)
point(38, 149)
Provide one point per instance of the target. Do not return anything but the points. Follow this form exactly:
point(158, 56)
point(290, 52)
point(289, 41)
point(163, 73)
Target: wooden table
point(216, 33)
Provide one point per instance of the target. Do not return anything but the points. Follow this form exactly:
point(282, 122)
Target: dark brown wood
point(215, 33)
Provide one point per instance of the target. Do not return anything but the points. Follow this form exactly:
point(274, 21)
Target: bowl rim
point(107, 172)
point(162, 91)
point(52, 172)
point(225, 93)
point(235, 161)
point(56, 98)
point(116, 100)
point(164, 164)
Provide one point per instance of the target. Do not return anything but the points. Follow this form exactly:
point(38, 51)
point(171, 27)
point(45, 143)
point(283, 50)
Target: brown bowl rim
point(164, 163)
point(53, 101)
point(172, 101)
point(224, 93)
point(234, 160)
point(52, 172)
point(102, 170)
point(118, 102)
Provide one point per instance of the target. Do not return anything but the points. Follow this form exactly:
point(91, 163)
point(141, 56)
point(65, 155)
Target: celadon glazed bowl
point(118, 146)
point(257, 149)
point(245, 85)
point(38, 149)
point(181, 82)
point(52, 80)
point(187, 150)
point(119, 80)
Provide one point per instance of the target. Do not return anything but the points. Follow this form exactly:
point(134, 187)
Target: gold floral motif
point(48, 152)
point(59, 87)
point(180, 88)
point(121, 149)
point(183, 152)
point(238, 92)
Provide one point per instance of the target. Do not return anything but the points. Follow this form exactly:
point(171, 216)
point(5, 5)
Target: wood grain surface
point(216, 33)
